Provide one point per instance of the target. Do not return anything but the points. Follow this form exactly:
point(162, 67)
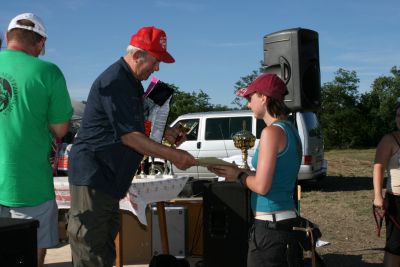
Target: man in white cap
point(34, 107)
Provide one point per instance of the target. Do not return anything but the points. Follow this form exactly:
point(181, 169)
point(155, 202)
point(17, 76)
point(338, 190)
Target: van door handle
point(198, 145)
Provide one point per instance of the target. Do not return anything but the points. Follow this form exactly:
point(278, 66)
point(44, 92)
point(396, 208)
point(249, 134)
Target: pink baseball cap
point(154, 41)
point(267, 84)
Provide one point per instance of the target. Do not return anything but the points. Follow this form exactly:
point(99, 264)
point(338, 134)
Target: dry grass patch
point(341, 204)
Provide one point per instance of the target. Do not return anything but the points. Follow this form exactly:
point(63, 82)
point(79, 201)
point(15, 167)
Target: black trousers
point(92, 227)
point(273, 246)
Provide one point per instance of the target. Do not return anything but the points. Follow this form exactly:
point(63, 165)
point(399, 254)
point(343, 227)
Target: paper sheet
point(208, 161)
point(321, 243)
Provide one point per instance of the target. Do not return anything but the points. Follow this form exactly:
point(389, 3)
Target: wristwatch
point(242, 177)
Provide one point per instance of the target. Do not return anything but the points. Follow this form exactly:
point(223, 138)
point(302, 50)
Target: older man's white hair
point(133, 49)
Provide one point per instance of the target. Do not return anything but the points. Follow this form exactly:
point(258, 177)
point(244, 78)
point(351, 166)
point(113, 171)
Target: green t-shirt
point(33, 94)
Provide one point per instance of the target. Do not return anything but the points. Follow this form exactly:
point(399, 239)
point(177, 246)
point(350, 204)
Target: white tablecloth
point(144, 190)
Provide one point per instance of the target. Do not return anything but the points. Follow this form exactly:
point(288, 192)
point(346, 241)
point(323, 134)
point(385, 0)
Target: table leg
point(162, 222)
point(118, 245)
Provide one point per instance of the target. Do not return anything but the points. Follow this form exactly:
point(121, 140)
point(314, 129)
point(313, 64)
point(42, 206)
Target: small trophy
point(244, 140)
point(187, 128)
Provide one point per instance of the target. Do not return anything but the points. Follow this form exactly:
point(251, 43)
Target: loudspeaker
point(226, 222)
point(18, 242)
point(293, 55)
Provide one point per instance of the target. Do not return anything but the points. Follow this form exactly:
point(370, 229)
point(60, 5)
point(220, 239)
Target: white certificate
point(208, 161)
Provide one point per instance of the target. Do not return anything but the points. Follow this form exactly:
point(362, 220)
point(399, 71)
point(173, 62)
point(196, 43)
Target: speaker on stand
point(293, 55)
point(226, 220)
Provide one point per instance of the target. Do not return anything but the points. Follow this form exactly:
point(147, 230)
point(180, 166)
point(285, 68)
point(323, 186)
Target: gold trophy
point(244, 140)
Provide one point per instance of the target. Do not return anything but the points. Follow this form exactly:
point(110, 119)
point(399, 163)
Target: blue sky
point(214, 42)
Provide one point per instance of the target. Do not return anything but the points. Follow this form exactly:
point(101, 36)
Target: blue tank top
point(280, 195)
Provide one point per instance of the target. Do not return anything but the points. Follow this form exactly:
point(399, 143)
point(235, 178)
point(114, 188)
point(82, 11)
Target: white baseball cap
point(38, 24)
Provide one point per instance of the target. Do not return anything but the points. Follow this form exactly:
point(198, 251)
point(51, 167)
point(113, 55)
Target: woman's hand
point(379, 202)
point(229, 172)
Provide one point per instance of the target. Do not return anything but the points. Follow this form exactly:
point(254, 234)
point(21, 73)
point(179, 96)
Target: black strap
point(379, 215)
point(275, 225)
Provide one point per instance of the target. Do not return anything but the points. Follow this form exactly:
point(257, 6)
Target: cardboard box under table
point(136, 238)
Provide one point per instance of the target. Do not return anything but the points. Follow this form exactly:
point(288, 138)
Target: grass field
point(341, 204)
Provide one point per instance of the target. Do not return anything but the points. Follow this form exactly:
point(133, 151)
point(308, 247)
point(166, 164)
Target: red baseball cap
point(267, 84)
point(154, 41)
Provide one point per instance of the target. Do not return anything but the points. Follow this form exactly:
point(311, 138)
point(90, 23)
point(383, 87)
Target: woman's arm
point(272, 141)
point(382, 157)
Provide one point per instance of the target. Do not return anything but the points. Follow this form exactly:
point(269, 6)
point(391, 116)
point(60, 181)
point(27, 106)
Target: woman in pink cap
point(277, 161)
point(387, 204)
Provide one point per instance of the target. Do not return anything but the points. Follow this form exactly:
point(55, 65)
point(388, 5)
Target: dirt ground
point(341, 204)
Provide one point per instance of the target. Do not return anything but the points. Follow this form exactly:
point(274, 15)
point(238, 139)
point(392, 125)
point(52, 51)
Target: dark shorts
point(392, 203)
point(272, 247)
point(93, 224)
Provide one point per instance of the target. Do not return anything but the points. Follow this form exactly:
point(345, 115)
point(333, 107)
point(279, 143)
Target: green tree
point(339, 114)
point(379, 104)
point(183, 103)
point(243, 82)
point(350, 119)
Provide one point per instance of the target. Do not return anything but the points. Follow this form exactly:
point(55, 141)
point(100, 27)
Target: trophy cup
point(187, 128)
point(244, 140)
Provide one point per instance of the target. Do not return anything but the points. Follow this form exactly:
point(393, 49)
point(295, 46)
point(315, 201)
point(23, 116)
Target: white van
point(211, 136)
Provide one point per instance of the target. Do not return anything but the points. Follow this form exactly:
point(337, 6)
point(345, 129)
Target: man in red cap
point(110, 146)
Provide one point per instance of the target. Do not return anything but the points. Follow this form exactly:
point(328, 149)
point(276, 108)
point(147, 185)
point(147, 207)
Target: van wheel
point(158, 168)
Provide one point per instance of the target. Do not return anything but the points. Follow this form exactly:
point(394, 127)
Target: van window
point(193, 125)
point(311, 123)
point(226, 128)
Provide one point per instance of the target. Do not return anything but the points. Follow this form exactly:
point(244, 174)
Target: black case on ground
point(226, 220)
point(18, 242)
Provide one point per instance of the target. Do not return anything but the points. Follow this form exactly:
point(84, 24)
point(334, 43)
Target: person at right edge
point(387, 157)
point(110, 146)
point(277, 163)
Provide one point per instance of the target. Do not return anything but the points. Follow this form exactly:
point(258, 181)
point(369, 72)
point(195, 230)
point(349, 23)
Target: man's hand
point(145, 146)
point(174, 136)
point(184, 160)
